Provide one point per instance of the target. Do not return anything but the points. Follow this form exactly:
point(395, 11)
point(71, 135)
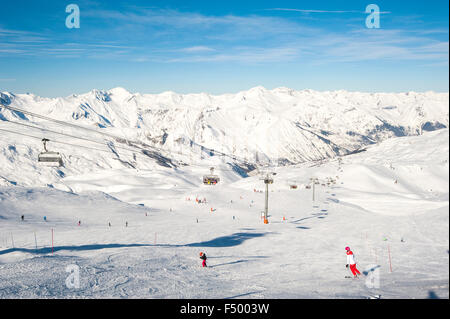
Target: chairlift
point(47, 158)
point(292, 184)
point(211, 179)
point(268, 178)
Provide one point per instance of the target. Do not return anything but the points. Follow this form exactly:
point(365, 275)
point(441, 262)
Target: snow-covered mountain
point(280, 126)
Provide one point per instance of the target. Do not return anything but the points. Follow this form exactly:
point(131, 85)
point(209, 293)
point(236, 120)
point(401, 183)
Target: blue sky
point(222, 46)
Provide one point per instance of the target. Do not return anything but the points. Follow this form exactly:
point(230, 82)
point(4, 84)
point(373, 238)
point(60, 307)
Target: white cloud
point(321, 11)
point(197, 49)
point(175, 37)
point(244, 55)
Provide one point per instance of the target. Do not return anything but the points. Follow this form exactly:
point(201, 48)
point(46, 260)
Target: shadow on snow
point(224, 241)
point(227, 241)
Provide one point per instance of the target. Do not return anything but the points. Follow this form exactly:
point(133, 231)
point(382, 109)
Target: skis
point(350, 274)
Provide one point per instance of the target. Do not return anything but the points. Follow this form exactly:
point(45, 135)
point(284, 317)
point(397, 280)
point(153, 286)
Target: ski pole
point(390, 261)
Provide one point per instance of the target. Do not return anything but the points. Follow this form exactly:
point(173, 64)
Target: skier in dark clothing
point(23, 217)
point(203, 257)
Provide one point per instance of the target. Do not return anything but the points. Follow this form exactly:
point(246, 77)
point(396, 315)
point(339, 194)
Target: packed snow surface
point(142, 230)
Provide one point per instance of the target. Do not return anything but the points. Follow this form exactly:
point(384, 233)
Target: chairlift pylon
point(47, 158)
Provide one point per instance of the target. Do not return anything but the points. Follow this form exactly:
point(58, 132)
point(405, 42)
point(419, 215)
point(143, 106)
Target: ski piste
point(389, 203)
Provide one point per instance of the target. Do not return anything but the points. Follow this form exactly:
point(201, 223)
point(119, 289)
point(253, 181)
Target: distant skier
point(109, 224)
point(351, 262)
point(126, 224)
point(22, 217)
point(79, 223)
point(203, 257)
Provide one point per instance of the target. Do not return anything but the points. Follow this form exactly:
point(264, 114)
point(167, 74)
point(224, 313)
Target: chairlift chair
point(211, 179)
point(47, 158)
point(292, 184)
point(267, 179)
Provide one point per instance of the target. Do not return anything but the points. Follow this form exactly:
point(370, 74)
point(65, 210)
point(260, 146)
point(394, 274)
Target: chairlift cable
point(56, 141)
point(118, 138)
point(72, 136)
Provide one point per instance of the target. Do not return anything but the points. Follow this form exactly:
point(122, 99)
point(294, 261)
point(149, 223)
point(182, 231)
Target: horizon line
point(228, 93)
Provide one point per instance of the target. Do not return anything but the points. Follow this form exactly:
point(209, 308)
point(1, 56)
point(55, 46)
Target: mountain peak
point(119, 91)
point(258, 89)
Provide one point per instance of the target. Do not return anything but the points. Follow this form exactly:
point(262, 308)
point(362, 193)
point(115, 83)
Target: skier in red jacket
point(203, 257)
point(351, 262)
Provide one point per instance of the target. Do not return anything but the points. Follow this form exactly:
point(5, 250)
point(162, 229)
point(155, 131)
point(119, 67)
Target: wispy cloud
point(312, 11)
point(171, 36)
point(197, 49)
point(251, 55)
point(12, 51)
point(33, 44)
point(20, 36)
point(321, 11)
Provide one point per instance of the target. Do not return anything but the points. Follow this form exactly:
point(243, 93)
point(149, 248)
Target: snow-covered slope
point(389, 203)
